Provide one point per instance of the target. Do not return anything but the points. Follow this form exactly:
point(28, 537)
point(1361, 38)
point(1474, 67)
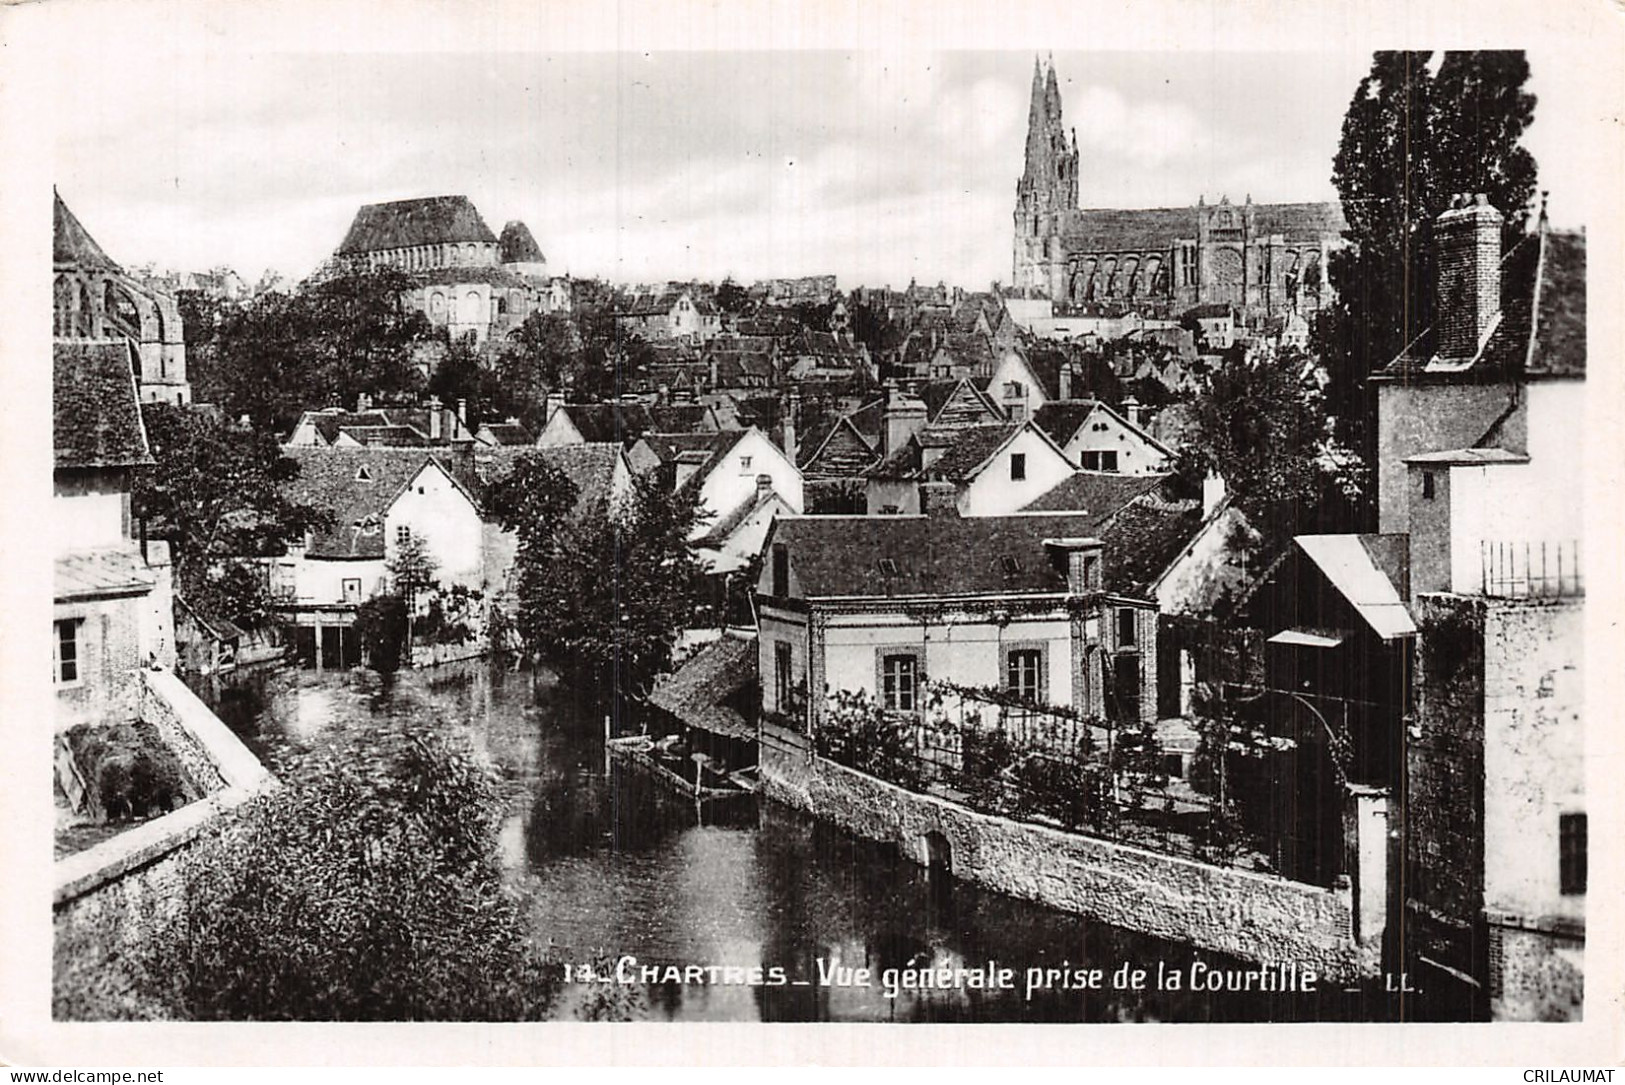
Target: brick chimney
point(436, 422)
point(1083, 560)
point(939, 499)
point(1468, 300)
point(1066, 379)
point(901, 418)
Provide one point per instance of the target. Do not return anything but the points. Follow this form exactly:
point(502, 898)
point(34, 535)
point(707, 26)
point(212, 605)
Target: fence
point(1040, 764)
point(1517, 570)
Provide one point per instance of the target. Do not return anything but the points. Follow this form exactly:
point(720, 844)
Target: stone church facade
point(1260, 258)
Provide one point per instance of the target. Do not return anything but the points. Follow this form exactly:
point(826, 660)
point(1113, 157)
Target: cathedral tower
point(1048, 188)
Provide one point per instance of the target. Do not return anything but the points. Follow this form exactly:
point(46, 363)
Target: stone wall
point(121, 898)
point(1256, 917)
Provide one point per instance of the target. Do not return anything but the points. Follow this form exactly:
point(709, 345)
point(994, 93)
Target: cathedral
point(1260, 258)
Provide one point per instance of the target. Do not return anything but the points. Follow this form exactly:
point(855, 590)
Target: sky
point(644, 166)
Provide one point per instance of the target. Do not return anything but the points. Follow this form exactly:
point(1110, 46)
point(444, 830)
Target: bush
point(368, 888)
point(380, 622)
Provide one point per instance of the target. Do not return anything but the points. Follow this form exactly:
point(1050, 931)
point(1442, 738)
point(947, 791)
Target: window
point(1099, 461)
point(899, 682)
point(1013, 390)
point(1126, 688)
point(1125, 627)
point(403, 535)
point(1018, 466)
point(783, 677)
point(781, 570)
point(1024, 674)
point(352, 589)
point(1427, 485)
point(66, 661)
point(1571, 845)
point(887, 566)
point(744, 463)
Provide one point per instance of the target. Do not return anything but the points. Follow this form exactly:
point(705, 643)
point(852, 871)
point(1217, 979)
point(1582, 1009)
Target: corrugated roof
point(108, 571)
point(1352, 569)
point(95, 410)
point(434, 220)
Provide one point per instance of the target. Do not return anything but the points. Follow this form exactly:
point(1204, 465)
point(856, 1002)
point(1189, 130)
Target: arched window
point(62, 305)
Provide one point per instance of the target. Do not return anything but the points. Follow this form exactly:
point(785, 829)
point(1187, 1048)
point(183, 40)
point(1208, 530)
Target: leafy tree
point(369, 887)
point(1261, 424)
point(1411, 141)
point(463, 377)
point(217, 494)
point(382, 624)
point(325, 344)
point(732, 298)
point(602, 598)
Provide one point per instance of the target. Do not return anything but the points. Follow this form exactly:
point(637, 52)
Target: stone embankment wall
point(1251, 916)
point(112, 900)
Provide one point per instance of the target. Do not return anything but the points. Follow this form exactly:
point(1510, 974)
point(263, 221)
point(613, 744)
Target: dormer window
point(887, 567)
point(362, 474)
point(1010, 565)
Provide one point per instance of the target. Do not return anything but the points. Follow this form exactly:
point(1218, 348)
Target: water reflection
point(612, 866)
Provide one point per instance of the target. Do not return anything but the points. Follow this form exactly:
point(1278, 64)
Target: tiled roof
point(600, 423)
point(386, 436)
point(845, 556)
point(435, 220)
point(1156, 229)
point(507, 433)
point(96, 415)
point(1143, 537)
point(964, 448)
point(73, 244)
point(456, 276)
point(110, 571)
point(844, 448)
point(518, 245)
point(591, 467)
point(678, 417)
point(356, 486)
point(712, 689)
point(667, 446)
point(1061, 418)
point(1543, 274)
point(1098, 492)
point(965, 403)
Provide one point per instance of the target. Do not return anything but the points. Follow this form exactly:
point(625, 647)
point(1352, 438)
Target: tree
point(217, 493)
point(1261, 424)
point(383, 626)
point(368, 887)
point(601, 597)
point(1411, 141)
point(325, 344)
point(412, 570)
point(732, 298)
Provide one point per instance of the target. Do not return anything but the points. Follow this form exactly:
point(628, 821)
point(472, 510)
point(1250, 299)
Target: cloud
point(1150, 135)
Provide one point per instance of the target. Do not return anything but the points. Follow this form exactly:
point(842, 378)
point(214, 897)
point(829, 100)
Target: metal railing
point(1529, 569)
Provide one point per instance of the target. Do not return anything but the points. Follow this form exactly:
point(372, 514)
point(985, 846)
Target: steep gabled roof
point(957, 402)
point(1144, 537)
point(95, 410)
point(356, 486)
point(435, 220)
point(518, 245)
point(72, 243)
point(1542, 331)
point(506, 433)
point(599, 423)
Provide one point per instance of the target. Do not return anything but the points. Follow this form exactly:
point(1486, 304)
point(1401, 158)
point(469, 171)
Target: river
point(612, 868)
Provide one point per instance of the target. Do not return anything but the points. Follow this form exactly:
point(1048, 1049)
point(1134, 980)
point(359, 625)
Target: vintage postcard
point(811, 515)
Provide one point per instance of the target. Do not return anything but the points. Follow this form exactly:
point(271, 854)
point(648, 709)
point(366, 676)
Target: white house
point(1100, 439)
point(731, 473)
point(995, 469)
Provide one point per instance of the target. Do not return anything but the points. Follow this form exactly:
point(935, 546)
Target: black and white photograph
point(552, 523)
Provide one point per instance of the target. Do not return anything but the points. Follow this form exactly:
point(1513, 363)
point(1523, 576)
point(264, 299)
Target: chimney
point(712, 365)
point(1083, 560)
point(1135, 412)
point(662, 395)
point(1066, 378)
point(462, 411)
point(1468, 300)
point(554, 403)
point(789, 428)
point(363, 403)
point(939, 499)
point(1213, 491)
point(900, 419)
point(436, 422)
